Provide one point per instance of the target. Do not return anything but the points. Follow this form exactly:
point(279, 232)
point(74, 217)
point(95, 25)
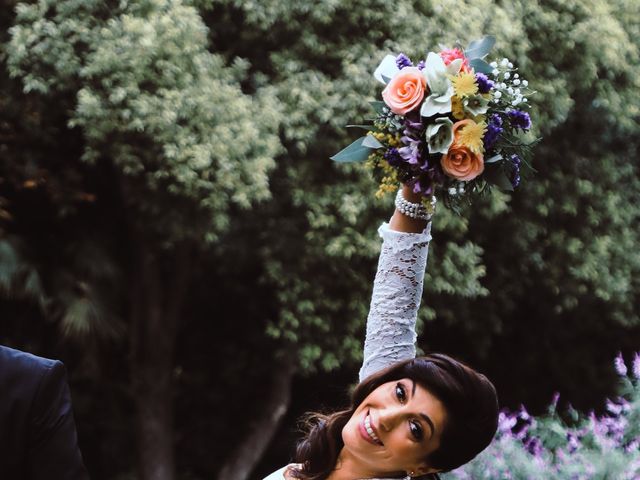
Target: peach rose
point(461, 163)
point(405, 91)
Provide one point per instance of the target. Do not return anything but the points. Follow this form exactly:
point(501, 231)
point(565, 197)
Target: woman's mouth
point(368, 432)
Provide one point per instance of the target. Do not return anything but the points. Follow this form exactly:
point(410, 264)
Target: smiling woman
point(409, 417)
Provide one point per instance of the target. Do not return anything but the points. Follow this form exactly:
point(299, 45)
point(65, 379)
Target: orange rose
point(461, 163)
point(405, 91)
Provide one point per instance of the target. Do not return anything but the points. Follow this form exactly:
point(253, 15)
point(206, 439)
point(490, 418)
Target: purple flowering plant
point(569, 447)
point(450, 126)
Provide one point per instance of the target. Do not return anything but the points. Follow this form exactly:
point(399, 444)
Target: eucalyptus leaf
point(378, 105)
point(481, 66)
point(371, 142)
point(355, 152)
point(480, 48)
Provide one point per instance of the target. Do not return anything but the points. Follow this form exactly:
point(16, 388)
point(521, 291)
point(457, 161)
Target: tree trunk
point(157, 297)
point(246, 455)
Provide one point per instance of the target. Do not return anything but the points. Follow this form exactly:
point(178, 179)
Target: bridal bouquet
point(448, 126)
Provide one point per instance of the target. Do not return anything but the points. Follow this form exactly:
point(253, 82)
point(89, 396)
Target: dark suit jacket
point(37, 432)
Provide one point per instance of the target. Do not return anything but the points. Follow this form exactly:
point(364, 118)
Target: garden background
point(172, 228)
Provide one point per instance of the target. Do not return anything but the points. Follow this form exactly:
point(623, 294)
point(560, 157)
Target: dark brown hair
point(469, 398)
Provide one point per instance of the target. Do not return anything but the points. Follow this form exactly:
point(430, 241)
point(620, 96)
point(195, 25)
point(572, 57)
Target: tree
point(550, 271)
point(554, 237)
point(166, 121)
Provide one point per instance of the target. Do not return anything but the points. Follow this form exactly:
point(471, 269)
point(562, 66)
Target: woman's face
point(395, 428)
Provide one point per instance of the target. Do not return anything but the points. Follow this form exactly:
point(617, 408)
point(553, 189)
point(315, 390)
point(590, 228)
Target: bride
point(409, 417)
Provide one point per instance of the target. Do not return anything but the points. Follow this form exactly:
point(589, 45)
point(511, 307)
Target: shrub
point(572, 446)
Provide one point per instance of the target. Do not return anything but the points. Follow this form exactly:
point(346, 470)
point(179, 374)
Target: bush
point(572, 446)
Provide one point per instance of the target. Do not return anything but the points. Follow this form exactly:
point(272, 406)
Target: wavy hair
point(469, 398)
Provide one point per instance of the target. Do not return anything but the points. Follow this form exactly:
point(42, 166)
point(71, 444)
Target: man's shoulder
point(28, 383)
point(14, 361)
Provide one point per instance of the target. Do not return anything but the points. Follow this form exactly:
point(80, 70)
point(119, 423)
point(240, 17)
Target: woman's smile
point(368, 430)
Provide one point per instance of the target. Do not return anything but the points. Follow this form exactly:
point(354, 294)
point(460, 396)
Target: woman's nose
point(388, 417)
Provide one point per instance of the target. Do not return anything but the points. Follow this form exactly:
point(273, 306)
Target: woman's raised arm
point(397, 290)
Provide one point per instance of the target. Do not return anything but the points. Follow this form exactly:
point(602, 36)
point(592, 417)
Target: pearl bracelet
point(412, 210)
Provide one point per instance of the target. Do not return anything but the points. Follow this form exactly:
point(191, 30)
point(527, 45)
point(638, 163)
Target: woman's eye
point(416, 430)
point(400, 393)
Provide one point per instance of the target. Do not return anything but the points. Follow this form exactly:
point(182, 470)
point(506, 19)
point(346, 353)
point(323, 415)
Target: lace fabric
point(397, 290)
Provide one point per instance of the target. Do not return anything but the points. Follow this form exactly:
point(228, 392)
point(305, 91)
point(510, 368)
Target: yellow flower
point(469, 134)
point(388, 184)
point(464, 84)
point(456, 108)
point(373, 160)
point(393, 140)
point(378, 136)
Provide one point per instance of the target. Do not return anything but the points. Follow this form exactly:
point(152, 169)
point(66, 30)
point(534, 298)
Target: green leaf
point(481, 66)
point(356, 152)
point(494, 159)
point(497, 177)
point(480, 48)
point(364, 127)
point(378, 105)
point(371, 142)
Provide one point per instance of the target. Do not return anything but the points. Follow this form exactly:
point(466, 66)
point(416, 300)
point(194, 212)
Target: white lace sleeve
point(397, 289)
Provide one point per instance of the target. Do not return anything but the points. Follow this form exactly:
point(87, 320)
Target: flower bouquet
point(448, 127)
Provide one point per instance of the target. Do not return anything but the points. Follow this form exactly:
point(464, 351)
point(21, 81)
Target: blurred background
point(172, 228)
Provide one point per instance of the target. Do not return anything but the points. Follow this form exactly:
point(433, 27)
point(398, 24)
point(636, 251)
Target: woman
point(409, 417)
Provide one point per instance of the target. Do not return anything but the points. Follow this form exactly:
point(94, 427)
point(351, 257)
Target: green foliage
point(177, 116)
point(18, 277)
point(152, 100)
point(582, 447)
point(483, 268)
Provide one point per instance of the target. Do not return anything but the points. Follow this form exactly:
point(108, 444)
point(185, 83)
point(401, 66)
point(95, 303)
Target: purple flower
point(635, 444)
point(636, 366)
point(614, 408)
point(422, 185)
point(421, 65)
point(618, 363)
point(523, 414)
point(516, 160)
point(519, 119)
point(393, 157)
point(534, 446)
point(484, 84)
point(403, 61)
point(515, 170)
point(573, 442)
point(411, 151)
point(413, 126)
point(506, 422)
point(494, 129)
point(413, 140)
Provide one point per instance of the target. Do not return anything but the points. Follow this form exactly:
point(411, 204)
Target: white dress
point(277, 475)
point(397, 290)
